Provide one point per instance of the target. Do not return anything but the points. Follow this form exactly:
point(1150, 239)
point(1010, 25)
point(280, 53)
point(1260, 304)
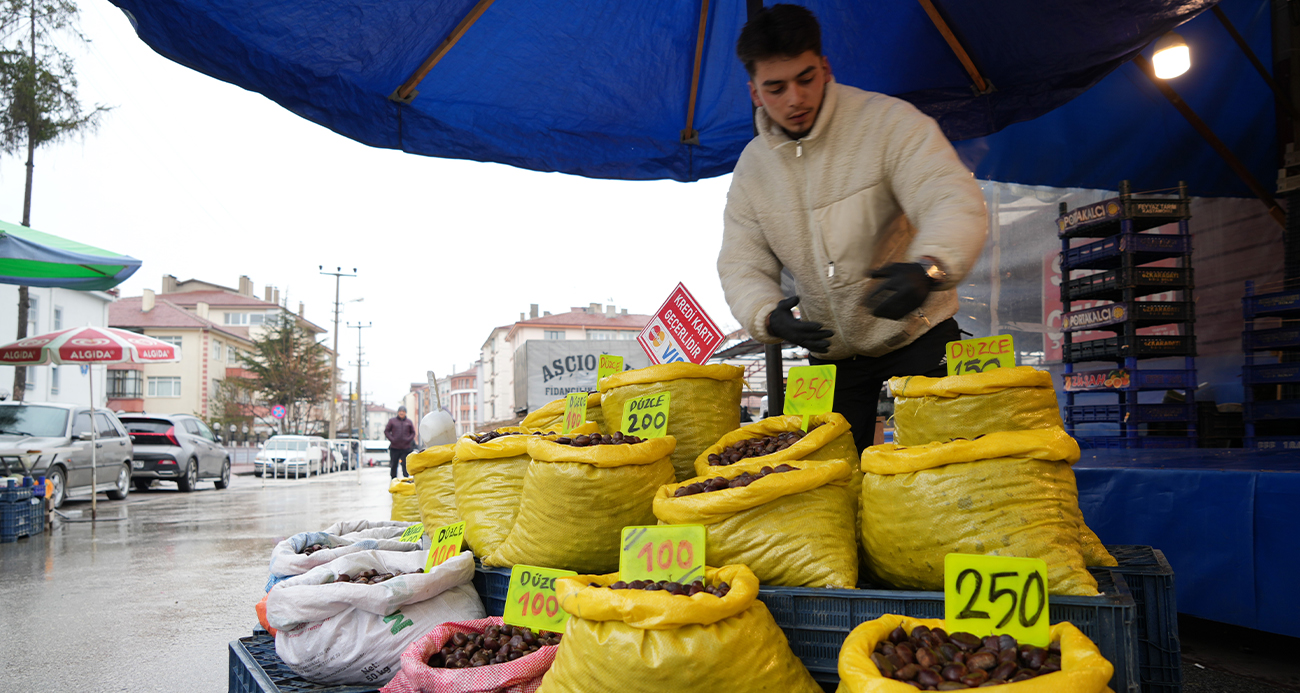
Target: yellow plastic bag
point(576, 502)
point(434, 487)
point(406, 508)
point(488, 478)
point(551, 416)
point(793, 529)
point(704, 404)
point(1010, 493)
point(1083, 669)
point(964, 406)
point(633, 641)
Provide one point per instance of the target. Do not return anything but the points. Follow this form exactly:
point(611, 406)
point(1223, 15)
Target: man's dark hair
point(779, 31)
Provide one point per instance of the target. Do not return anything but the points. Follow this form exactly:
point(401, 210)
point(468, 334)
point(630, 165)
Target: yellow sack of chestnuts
point(434, 487)
point(1010, 493)
point(704, 404)
point(634, 641)
point(828, 438)
point(964, 406)
point(550, 417)
point(576, 501)
point(793, 528)
point(488, 477)
point(406, 508)
point(1083, 669)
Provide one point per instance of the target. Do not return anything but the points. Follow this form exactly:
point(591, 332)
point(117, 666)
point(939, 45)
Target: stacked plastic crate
point(1111, 285)
point(1271, 375)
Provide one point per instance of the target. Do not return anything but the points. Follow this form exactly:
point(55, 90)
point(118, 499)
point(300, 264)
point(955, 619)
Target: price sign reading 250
point(987, 595)
point(662, 552)
point(647, 416)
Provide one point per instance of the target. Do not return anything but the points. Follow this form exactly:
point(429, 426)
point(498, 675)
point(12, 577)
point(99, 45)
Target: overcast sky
point(201, 179)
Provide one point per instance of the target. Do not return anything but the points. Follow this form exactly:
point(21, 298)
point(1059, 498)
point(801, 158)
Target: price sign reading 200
point(986, 595)
point(647, 416)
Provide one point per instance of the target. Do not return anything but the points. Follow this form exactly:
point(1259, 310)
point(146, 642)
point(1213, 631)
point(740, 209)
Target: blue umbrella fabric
point(602, 88)
point(32, 258)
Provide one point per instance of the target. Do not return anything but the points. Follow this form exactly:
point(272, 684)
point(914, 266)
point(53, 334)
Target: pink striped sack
point(523, 675)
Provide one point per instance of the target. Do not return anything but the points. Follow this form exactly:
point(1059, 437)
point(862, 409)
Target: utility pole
point(361, 398)
point(338, 274)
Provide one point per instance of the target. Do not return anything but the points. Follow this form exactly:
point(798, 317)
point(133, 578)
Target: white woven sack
point(287, 559)
point(348, 634)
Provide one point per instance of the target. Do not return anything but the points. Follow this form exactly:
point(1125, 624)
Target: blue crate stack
point(1118, 275)
point(22, 510)
point(1271, 374)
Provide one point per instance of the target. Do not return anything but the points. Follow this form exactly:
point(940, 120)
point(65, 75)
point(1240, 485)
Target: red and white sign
point(87, 345)
point(680, 331)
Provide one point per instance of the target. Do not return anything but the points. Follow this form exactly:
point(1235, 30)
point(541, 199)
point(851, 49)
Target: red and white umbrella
point(88, 346)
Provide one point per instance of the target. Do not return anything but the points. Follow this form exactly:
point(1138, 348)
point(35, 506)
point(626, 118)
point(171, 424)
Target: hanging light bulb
point(1172, 57)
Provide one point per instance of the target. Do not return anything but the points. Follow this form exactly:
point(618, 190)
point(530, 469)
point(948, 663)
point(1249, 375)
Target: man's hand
point(904, 290)
point(805, 333)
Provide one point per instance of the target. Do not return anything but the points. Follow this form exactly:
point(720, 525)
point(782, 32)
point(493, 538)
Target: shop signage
point(680, 331)
point(609, 365)
point(647, 416)
point(810, 390)
point(1088, 214)
point(992, 595)
point(447, 542)
point(662, 552)
point(1098, 316)
point(982, 354)
point(575, 411)
point(1107, 379)
point(531, 600)
point(413, 533)
point(549, 369)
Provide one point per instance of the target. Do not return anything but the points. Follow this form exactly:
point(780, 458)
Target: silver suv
point(61, 432)
point(176, 447)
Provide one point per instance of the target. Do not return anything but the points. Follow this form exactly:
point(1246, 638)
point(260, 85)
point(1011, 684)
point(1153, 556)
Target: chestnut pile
point(722, 483)
point(719, 590)
point(495, 645)
point(617, 438)
point(755, 447)
point(493, 435)
point(372, 577)
point(313, 549)
point(933, 660)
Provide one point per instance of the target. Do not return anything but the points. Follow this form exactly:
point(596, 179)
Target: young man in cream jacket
point(861, 197)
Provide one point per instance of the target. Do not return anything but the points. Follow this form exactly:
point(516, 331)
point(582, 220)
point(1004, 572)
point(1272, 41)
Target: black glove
point(904, 290)
point(805, 333)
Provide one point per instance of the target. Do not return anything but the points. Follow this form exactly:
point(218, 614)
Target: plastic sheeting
point(600, 88)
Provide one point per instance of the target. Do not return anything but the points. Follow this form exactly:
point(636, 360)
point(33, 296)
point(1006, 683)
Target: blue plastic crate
point(492, 585)
point(1132, 414)
point(256, 668)
point(1270, 373)
point(1273, 443)
point(1120, 347)
point(816, 621)
point(1150, 579)
point(1272, 409)
point(1125, 380)
point(1111, 284)
point(1274, 338)
point(1138, 443)
point(1276, 304)
point(13, 491)
point(1143, 247)
point(22, 518)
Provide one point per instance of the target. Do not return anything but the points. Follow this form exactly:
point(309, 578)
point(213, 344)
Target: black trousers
point(397, 456)
point(858, 380)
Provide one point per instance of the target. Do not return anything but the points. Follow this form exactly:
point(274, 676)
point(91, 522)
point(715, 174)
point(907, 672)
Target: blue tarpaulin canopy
point(603, 88)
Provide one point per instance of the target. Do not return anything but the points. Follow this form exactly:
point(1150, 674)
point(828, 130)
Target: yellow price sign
point(662, 552)
point(646, 416)
point(988, 595)
point(413, 533)
point(979, 355)
point(446, 543)
point(575, 411)
point(609, 365)
point(531, 600)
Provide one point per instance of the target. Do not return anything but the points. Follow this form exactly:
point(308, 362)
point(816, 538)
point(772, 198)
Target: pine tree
point(288, 366)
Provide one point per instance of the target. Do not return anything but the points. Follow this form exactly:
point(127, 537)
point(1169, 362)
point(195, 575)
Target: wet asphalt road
point(148, 597)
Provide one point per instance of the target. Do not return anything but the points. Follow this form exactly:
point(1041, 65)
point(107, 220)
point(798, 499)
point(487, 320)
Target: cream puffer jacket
point(874, 182)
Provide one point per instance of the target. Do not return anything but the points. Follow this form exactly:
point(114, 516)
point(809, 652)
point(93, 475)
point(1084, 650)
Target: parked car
point(175, 447)
point(292, 456)
point(346, 451)
point(376, 453)
point(65, 431)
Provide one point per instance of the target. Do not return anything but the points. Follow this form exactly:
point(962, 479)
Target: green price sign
point(413, 533)
point(979, 355)
point(609, 365)
point(646, 416)
point(988, 595)
point(575, 411)
point(531, 600)
point(446, 543)
point(662, 552)
point(810, 390)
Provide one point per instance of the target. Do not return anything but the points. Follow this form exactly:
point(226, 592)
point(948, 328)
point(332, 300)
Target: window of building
point(174, 340)
point(602, 334)
point(216, 350)
point(236, 318)
point(54, 380)
point(33, 312)
point(164, 386)
point(125, 384)
point(58, 318)
point(554, 334)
